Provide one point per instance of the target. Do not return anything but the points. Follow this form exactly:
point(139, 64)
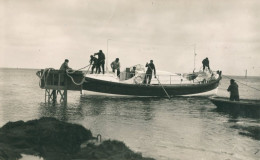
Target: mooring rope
point(72, 79)
point(242, 83)
point(73, 71)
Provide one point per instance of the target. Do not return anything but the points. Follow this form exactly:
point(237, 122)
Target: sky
point(42, 33)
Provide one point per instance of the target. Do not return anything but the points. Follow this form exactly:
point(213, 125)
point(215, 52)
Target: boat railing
point(164, 79)
point(174, 79)
point(181, 79)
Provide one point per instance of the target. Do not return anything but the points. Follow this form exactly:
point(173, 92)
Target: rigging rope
point(160, 83)
point(243, 83)
point(84, 67)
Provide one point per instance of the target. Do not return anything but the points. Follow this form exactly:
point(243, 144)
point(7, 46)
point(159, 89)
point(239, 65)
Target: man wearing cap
point(149, 72)
point(233, 89)
point(101, 61)
point(115, 65)
point(65, 65)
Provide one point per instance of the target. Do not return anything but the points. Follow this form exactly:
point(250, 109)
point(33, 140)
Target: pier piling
point(57, 82)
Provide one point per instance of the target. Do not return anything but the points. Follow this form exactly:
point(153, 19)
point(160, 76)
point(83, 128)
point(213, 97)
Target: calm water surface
point(182, 128)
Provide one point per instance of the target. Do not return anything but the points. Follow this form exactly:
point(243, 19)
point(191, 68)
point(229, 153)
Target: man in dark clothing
point(65, 65)
point(233, 89)
point(101, 61)
point(205, 63)
point(149, 72)
point(94, 62)
point(132, 72)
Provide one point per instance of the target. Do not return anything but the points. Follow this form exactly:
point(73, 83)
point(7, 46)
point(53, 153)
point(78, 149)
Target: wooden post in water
point(45, 95)
point(65, 89)
point(54, 96)
point(65, 97)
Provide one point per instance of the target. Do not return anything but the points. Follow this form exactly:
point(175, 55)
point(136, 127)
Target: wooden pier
point(58, 82)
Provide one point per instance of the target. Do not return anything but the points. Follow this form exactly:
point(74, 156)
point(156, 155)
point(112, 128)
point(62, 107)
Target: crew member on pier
point(65, 65)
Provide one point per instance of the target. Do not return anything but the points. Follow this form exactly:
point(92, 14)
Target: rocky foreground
point(53, 139)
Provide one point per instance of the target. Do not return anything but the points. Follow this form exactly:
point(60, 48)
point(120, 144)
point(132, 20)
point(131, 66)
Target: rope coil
point(43, 75)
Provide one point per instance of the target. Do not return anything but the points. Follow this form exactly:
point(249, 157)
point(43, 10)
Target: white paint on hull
point(208, 93)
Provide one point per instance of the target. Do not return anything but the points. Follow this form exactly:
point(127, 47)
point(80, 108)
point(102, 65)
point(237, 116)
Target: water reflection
point(157, 121)
point(119, 106)
point(61, 111)
point(245, 121)
point(235, 113)
point(96, 105)
point(89, 105)
point(249, 131)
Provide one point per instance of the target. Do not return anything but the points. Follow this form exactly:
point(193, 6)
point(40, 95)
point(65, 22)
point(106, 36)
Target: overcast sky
point(42, 33)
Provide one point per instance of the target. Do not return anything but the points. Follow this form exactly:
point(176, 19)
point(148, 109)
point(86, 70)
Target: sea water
point(182, 128)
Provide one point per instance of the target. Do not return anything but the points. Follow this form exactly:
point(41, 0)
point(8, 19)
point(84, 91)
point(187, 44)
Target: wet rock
point(53, 139)
point(42, 137)
point(109, 150)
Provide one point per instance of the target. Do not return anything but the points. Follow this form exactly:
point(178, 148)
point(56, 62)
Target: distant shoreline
point(20, 68)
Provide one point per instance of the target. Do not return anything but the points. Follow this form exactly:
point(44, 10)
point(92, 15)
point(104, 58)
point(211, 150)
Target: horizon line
point(57, 69)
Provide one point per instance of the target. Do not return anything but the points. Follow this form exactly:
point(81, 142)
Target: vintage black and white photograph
point(129, 80)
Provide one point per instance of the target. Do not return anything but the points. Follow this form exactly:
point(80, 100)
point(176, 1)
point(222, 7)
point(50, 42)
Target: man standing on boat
point(149, 72)
point(233, 89)
point(115, 65)
point(132, 72)
point(65, 65)
point(205, 63)
point(101, 61)
point(94, 62)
